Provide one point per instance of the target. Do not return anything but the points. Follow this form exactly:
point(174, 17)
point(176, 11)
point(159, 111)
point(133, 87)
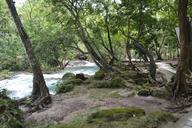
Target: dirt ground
point(82, 100)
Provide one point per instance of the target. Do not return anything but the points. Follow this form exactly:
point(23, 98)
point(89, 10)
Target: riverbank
point(84, 100)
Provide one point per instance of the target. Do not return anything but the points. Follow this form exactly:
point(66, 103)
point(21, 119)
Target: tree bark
point(40, 90)
point(179, 87)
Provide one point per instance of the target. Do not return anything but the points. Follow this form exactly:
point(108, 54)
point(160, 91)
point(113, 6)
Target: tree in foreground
point(40, 93)
point(180, 85)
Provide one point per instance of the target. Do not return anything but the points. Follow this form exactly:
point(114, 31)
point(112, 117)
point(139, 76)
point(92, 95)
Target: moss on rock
point(117, 82)
point(68, 76)
point(101, 84)
point(99, 75)
point(116, 114)
point(67, 85)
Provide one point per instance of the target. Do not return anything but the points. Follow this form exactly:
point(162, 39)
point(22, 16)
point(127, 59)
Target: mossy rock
point(67, 85)
point(151, 120)
point(116, 114)
point(144, 92)
point(60, 88)
point(114, 83)
point(117, 82)
point(101, 84)
point(160, 93)
point(68, 76)
point(73, 81)
point(99, 75)
point(162, 117)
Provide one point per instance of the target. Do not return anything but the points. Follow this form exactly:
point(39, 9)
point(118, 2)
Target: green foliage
point(99, 75)
point(116, 114)
point(4, 74)
point(10, 115)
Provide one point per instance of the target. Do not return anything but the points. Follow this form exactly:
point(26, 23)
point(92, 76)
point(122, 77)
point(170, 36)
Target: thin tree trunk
point(40, 90)
point(179, 87)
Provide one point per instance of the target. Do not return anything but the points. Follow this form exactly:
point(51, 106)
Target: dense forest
point(140, 51)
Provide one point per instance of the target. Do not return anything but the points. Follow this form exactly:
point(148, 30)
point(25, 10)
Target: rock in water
point(81, 76)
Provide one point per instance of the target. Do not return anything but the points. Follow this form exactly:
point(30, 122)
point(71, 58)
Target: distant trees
point(40, 91)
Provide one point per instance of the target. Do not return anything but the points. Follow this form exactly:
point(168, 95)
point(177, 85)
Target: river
point(20, 85)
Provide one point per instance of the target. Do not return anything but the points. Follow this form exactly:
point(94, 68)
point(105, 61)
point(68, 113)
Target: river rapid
point(20, 85)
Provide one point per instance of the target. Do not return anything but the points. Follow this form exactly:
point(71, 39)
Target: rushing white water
point(20, 85)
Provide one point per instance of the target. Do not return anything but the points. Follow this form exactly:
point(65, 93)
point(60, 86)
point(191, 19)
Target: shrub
point(99, 75)
point(116, 114)
point(10, 115)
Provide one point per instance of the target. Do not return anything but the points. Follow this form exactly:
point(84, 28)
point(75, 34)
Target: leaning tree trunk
point(179, 87)
point(40, 91)
point(146, 54)
point(152, 65)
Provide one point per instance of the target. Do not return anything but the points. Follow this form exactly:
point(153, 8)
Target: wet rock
point(81, 76)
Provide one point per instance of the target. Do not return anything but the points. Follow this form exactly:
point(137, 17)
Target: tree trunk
point(40, 90)
point(179, 87)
